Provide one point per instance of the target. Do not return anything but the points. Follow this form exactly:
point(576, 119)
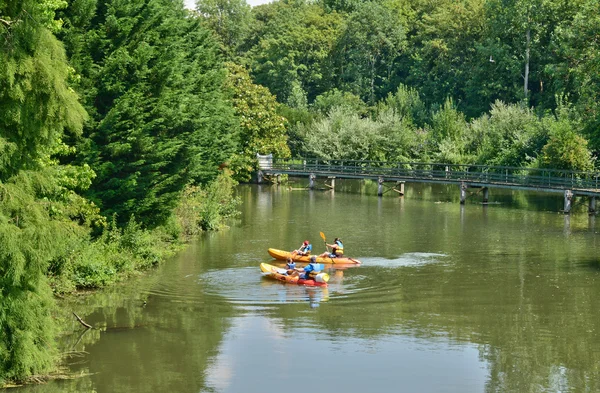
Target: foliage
point(336, 98)
point(443, 50)
point(407, 104)
point(344, 135)
point(509, 136)
point(577, 69)
point(36, 104)
point(262, 130)
point(367, 52)
point(160, 118)
point(292, 48)
point(229, 19)
point(207, 208)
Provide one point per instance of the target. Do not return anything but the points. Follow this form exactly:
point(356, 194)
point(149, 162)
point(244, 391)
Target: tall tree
point(576, 70)
point(153, 82)
point(443, 50)
point(292, 49)
point(366, 54)
point(262, 129)
point(229, 19)
point(36, 108)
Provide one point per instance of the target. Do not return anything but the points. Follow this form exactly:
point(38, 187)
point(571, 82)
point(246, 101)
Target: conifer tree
point(152, 80)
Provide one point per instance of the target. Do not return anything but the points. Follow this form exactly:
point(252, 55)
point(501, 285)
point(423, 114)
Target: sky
point(192, 3)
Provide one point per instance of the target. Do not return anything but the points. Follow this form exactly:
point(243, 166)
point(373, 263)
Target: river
point(449, 298)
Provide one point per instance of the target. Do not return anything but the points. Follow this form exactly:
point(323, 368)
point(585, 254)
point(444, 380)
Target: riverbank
point(90, 264)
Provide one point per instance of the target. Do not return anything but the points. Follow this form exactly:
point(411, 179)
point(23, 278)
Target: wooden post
point(278, 178)
point(380, 186)
point(260, 177)
point(592, 206)
point(399, 188)
point(311, 181)
point(568, 201)
point(463, 193)
point(332, 186)
point(486, 194)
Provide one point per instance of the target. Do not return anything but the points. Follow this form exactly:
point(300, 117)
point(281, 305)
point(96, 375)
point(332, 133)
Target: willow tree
point(36, 108)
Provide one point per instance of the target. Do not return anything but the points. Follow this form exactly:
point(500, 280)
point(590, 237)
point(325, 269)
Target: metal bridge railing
point(500, 175)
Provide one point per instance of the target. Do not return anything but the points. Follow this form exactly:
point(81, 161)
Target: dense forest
point(125, 125)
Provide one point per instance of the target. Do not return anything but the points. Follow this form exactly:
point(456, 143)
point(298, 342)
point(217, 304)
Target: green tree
point(576, 71)
point(262, 129)
point(160, 117)
point(510, 135)
point(229, 19)
point(36, 108)
point(367, 52)
point(443, 52)
point(292, 48)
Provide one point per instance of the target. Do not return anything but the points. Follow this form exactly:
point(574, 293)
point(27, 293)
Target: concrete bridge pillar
point(463, 193)
point(592, 206)
point(569, 196)
point(259, 177)
point(311, 180)
point(486, 194)
point(380, 186)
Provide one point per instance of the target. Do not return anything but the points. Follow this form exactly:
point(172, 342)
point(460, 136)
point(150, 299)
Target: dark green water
point(450, 298)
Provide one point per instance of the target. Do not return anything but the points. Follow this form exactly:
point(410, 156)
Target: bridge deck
point(547, 180)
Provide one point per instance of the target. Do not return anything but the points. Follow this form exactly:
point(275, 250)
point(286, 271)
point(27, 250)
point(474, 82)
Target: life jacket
point(291, 265)
point(339, 250)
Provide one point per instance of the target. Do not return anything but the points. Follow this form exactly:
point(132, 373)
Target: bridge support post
point(380, 186)
point(568, 201)
point(278, 178)
point(486, 194)
point(311, 180)
point(463, 193)
point(332, 180)
point(592, 206)
point(399, 188)
point(259, 177)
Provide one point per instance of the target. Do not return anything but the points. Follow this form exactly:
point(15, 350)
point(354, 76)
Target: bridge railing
point(486, 174)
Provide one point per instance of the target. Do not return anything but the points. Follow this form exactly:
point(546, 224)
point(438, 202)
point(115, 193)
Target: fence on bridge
point(466, 175)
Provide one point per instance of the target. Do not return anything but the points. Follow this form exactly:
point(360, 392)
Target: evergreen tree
point(153, 83)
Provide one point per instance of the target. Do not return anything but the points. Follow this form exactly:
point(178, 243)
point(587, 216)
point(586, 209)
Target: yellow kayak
point(283, 255)
point(277, 273)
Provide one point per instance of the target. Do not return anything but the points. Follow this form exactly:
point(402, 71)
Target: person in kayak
point(304, 249)
point(291, 267)
point(337, 249)
point(308, 269)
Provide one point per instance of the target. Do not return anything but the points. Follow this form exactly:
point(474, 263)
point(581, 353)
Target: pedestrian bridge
point(569, 183)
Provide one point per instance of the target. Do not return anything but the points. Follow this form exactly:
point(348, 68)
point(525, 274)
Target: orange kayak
point(283, 255)
point(280, 274)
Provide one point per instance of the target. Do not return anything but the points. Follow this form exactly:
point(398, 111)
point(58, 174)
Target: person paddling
point(305, 249)
point(337, 249)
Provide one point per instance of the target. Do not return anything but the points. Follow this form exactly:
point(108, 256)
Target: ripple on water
point(410, 259)
point(377, 280)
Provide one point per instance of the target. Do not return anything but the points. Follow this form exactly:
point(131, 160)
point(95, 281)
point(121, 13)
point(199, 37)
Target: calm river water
point(450, 298)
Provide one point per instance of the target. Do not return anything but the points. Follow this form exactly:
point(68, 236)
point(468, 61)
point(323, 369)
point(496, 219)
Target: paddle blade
point(322, 236)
